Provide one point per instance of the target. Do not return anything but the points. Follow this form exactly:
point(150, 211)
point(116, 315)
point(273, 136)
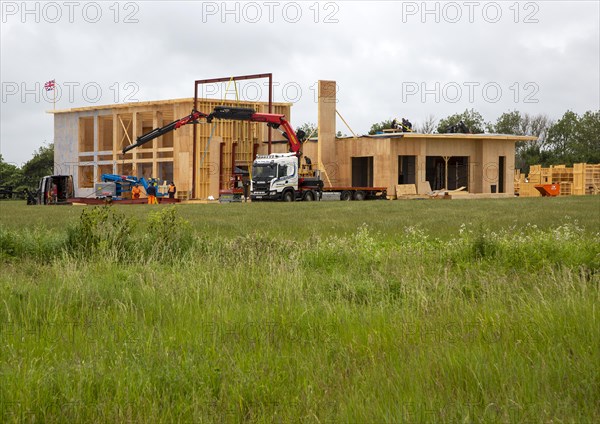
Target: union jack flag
point(49, 86)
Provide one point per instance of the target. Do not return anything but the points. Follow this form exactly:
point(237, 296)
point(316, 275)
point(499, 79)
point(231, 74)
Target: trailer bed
point(357, 193)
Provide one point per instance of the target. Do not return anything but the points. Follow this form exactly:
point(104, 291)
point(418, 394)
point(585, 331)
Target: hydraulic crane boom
point(271, 119)
point(225, 112)
point(157, 132)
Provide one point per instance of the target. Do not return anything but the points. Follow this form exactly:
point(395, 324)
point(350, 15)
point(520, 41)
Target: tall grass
point(119, 319)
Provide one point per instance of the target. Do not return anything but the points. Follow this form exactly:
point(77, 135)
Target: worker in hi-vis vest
point(136, 191)
point(151, 192)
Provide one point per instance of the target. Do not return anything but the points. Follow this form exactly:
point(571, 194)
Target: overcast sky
point(390, 59)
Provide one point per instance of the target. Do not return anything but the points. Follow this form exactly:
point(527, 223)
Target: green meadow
point(382, 311)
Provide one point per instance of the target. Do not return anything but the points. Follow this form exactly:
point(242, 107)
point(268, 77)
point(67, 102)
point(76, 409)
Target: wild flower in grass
point(567, 232)
point(363, 242)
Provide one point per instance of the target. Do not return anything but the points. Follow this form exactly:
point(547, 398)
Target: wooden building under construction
point(88, 142)
point(481, 163)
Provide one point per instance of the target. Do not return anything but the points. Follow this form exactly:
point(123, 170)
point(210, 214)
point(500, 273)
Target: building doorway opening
point(501, 174)
point(407, 170)
point(458, 172)
point(362, 171)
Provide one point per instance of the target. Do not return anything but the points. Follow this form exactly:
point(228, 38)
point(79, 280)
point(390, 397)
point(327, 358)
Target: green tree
point(587, 143)
point(527, 152)
point(574, 139)
point(507, 123)
point(472, 119)
point(310, 129)
point(41, 164)
point(10, 175)
point(378, 127)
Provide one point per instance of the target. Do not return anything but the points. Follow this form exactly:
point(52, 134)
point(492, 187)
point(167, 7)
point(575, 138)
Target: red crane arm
point(157, 132)
point(273, 120)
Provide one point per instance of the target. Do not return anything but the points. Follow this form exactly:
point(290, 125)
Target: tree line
point(571, 139)
point(15, 179)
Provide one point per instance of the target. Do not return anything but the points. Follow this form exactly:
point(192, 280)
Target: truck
point(44, 194)
point(276, 176)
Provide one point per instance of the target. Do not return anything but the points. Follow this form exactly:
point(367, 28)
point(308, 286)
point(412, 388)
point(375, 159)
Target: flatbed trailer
point(358, 193)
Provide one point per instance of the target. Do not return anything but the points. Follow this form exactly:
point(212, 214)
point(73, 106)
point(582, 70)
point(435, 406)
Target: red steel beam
point(223, 79)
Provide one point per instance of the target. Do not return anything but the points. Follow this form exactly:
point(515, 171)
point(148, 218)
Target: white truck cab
point(274, 177)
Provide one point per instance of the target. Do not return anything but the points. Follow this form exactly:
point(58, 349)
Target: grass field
point(416, 311)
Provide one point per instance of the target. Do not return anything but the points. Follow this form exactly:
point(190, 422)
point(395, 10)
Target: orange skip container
point(551, 190)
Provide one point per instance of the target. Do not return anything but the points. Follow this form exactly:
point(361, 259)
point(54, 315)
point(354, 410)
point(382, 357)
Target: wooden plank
point(424, 188)
point(579, 179)
point(416, 197)
point(402, 189)
point(326, 149)
point(528, 190)
point(475, 196)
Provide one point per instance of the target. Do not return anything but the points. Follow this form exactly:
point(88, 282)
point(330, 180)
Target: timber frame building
point(88, 143)
point(482, 163)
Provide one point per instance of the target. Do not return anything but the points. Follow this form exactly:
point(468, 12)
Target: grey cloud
point(371, 52)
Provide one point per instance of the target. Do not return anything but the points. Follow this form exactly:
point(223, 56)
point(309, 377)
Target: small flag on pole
point(51, 86)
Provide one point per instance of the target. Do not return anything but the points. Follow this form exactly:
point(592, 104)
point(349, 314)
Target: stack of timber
point(409, 191)
point(580, 180)
point(586, 179)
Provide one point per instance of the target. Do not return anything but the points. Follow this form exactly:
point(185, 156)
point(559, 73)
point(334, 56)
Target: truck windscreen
point(264, 171)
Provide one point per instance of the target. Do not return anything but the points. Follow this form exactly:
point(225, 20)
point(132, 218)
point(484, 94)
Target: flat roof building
point(482, 163)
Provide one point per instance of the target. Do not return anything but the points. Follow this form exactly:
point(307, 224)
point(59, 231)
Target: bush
point(100, 230)
point(166, 237)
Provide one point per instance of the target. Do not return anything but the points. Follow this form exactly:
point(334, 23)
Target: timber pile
point(579, 180)
point(409, 191)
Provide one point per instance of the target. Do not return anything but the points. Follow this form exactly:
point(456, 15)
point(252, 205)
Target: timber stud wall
point(89, 141)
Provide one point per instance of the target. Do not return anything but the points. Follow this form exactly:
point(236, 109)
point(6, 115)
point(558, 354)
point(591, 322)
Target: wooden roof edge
point(486, 136)
point(156, 103)
point(475, 136)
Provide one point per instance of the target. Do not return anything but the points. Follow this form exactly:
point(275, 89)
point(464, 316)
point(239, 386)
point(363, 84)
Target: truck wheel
point(288, 196)
point(360, 195)
point(309, 196)
point(346, 195)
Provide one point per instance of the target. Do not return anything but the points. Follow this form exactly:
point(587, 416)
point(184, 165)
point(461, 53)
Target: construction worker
point(151, 192)
point(172, 190)
point(136, 191)
point(54, 193)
